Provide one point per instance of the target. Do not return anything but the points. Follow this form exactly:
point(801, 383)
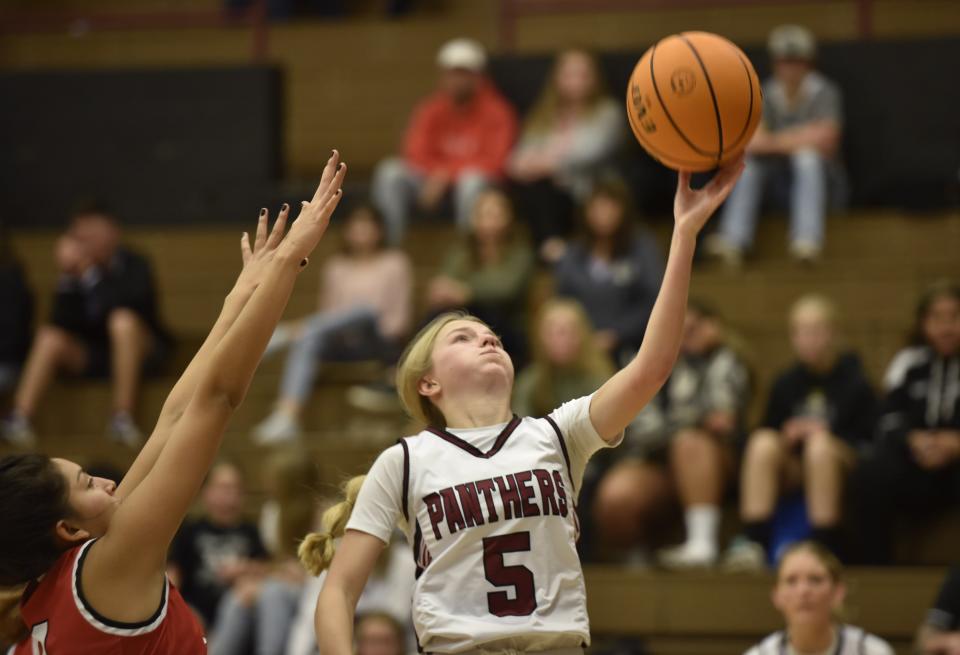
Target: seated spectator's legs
point(130, 342)
point(808, 200)
point(232, 631)
point(53, 348)
point(628, 497)
point(738, 221)
point(826, 461)
point(764, 464)
point(394, 191)
point(470, 183)
point(699, 462)
point(275, 610)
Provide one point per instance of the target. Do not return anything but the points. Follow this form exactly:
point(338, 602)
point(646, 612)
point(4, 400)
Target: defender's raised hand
point(264, 248)
point(692, 208)
point(308, 229)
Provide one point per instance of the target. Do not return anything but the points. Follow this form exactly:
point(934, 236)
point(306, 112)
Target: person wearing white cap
point(456, 144)
point(795, 149)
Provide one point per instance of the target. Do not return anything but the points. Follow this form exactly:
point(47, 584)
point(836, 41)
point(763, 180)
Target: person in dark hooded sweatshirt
point(916, 465)
point(820, 412)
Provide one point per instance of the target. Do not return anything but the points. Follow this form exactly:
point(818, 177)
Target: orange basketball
point(694, 101)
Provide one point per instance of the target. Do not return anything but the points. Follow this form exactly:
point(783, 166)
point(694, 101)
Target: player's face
point(362, 233)
point(805, 592)
point(811, 336)
point(561, 337)
point(223, 496)
point(604, 216)
point(93, 500)
point(467, 355)
point(377, 637)
point(491, 217)
point(575, 79)
point(941, 325)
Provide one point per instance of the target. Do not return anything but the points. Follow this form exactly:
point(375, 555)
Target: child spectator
point(940, 632)
point(488, 273)
point(104, 322)
point(614, 270)
point(457, 143)
point(570, 137)
point(809, 593)
point(219, 550)
point(820, 413)
point(364, 311)
point(16, 319)
point(683, 446)
point(566, 361)
point(794, 151)
point(915, 467)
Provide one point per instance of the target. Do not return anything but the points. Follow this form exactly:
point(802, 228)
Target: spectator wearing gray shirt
point(794, 153)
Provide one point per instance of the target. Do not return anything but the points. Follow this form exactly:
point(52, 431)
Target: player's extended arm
point(619, 400)
point(356, 556)
point(144, 524)
point(182, 392)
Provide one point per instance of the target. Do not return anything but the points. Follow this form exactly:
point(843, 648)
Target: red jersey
point(62, 621)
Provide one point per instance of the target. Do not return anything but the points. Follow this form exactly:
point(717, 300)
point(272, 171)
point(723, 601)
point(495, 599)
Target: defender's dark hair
point(933, 293)
point(33, 497)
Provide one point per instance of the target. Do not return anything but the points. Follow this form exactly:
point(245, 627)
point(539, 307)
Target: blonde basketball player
point(487, 499)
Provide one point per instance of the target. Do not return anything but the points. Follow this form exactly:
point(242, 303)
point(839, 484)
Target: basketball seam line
point(666, 112)
point(746, 69)
point(713, 96)
point(653, 150)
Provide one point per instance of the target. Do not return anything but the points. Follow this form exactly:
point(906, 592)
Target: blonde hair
point(591, 361)
point(543, 115)
point(317, 549)
point(820, 552)
point(416, 361)
point(818, 303)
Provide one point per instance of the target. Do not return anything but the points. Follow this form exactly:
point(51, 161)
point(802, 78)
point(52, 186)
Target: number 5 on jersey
point(498, 574)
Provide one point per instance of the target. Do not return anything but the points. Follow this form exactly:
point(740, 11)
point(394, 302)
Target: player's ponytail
point(317, 549)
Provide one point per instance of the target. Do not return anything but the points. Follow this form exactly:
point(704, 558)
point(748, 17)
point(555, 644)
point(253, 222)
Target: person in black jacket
point(103, 322)
point(915, 467)
point(16, 315)
point(820, 412)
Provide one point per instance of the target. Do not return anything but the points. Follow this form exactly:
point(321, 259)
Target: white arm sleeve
point(581, 437)
point(379, 507)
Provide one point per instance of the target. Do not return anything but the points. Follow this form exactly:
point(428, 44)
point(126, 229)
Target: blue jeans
point(265, 624)
point(355, 328)
point(804, 174)
point(396, 185)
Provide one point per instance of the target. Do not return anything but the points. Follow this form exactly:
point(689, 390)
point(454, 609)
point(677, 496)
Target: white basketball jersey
point(494, 538)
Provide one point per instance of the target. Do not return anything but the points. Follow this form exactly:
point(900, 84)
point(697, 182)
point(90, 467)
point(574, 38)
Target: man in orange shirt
point(457, 143)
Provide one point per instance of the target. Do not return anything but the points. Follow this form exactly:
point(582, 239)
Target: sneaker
point(17, 431)
point(378, 398)
point(276, 428)
point(744, 556)
point(122, 429)
point(805, 252)
point(688, 556)
point(718, 247)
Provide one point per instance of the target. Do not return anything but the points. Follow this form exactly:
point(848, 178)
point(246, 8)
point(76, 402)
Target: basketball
point(694, 101)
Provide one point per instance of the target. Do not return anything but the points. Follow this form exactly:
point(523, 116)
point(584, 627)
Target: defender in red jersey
point(92, 554)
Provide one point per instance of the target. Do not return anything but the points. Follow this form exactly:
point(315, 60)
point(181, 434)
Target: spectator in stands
point(379, 633)
point(570, 137)
point(566, 361)
point(488, 273)
point(16, 317)
point(794, 152)
point(257, 615)
point(613, 269)
point(683, 446)
point(915, 467)
point(364, 313)
point(809, 593)
point(104, 322)
point(940, 632)
point(220, 550)
point(456, 144)
point(820, 413)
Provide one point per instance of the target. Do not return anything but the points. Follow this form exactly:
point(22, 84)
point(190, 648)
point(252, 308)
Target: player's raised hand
point(308, 229)
point(264, 247)
point(692, 208)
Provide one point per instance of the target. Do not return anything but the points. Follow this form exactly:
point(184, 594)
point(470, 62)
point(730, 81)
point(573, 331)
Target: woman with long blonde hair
point(486, 499)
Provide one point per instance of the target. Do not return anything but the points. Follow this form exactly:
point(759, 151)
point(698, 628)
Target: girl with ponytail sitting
point(93, 554)
point(486, 499)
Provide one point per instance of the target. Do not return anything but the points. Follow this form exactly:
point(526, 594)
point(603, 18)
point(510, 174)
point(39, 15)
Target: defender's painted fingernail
point(285, 207)
point(263, 212)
